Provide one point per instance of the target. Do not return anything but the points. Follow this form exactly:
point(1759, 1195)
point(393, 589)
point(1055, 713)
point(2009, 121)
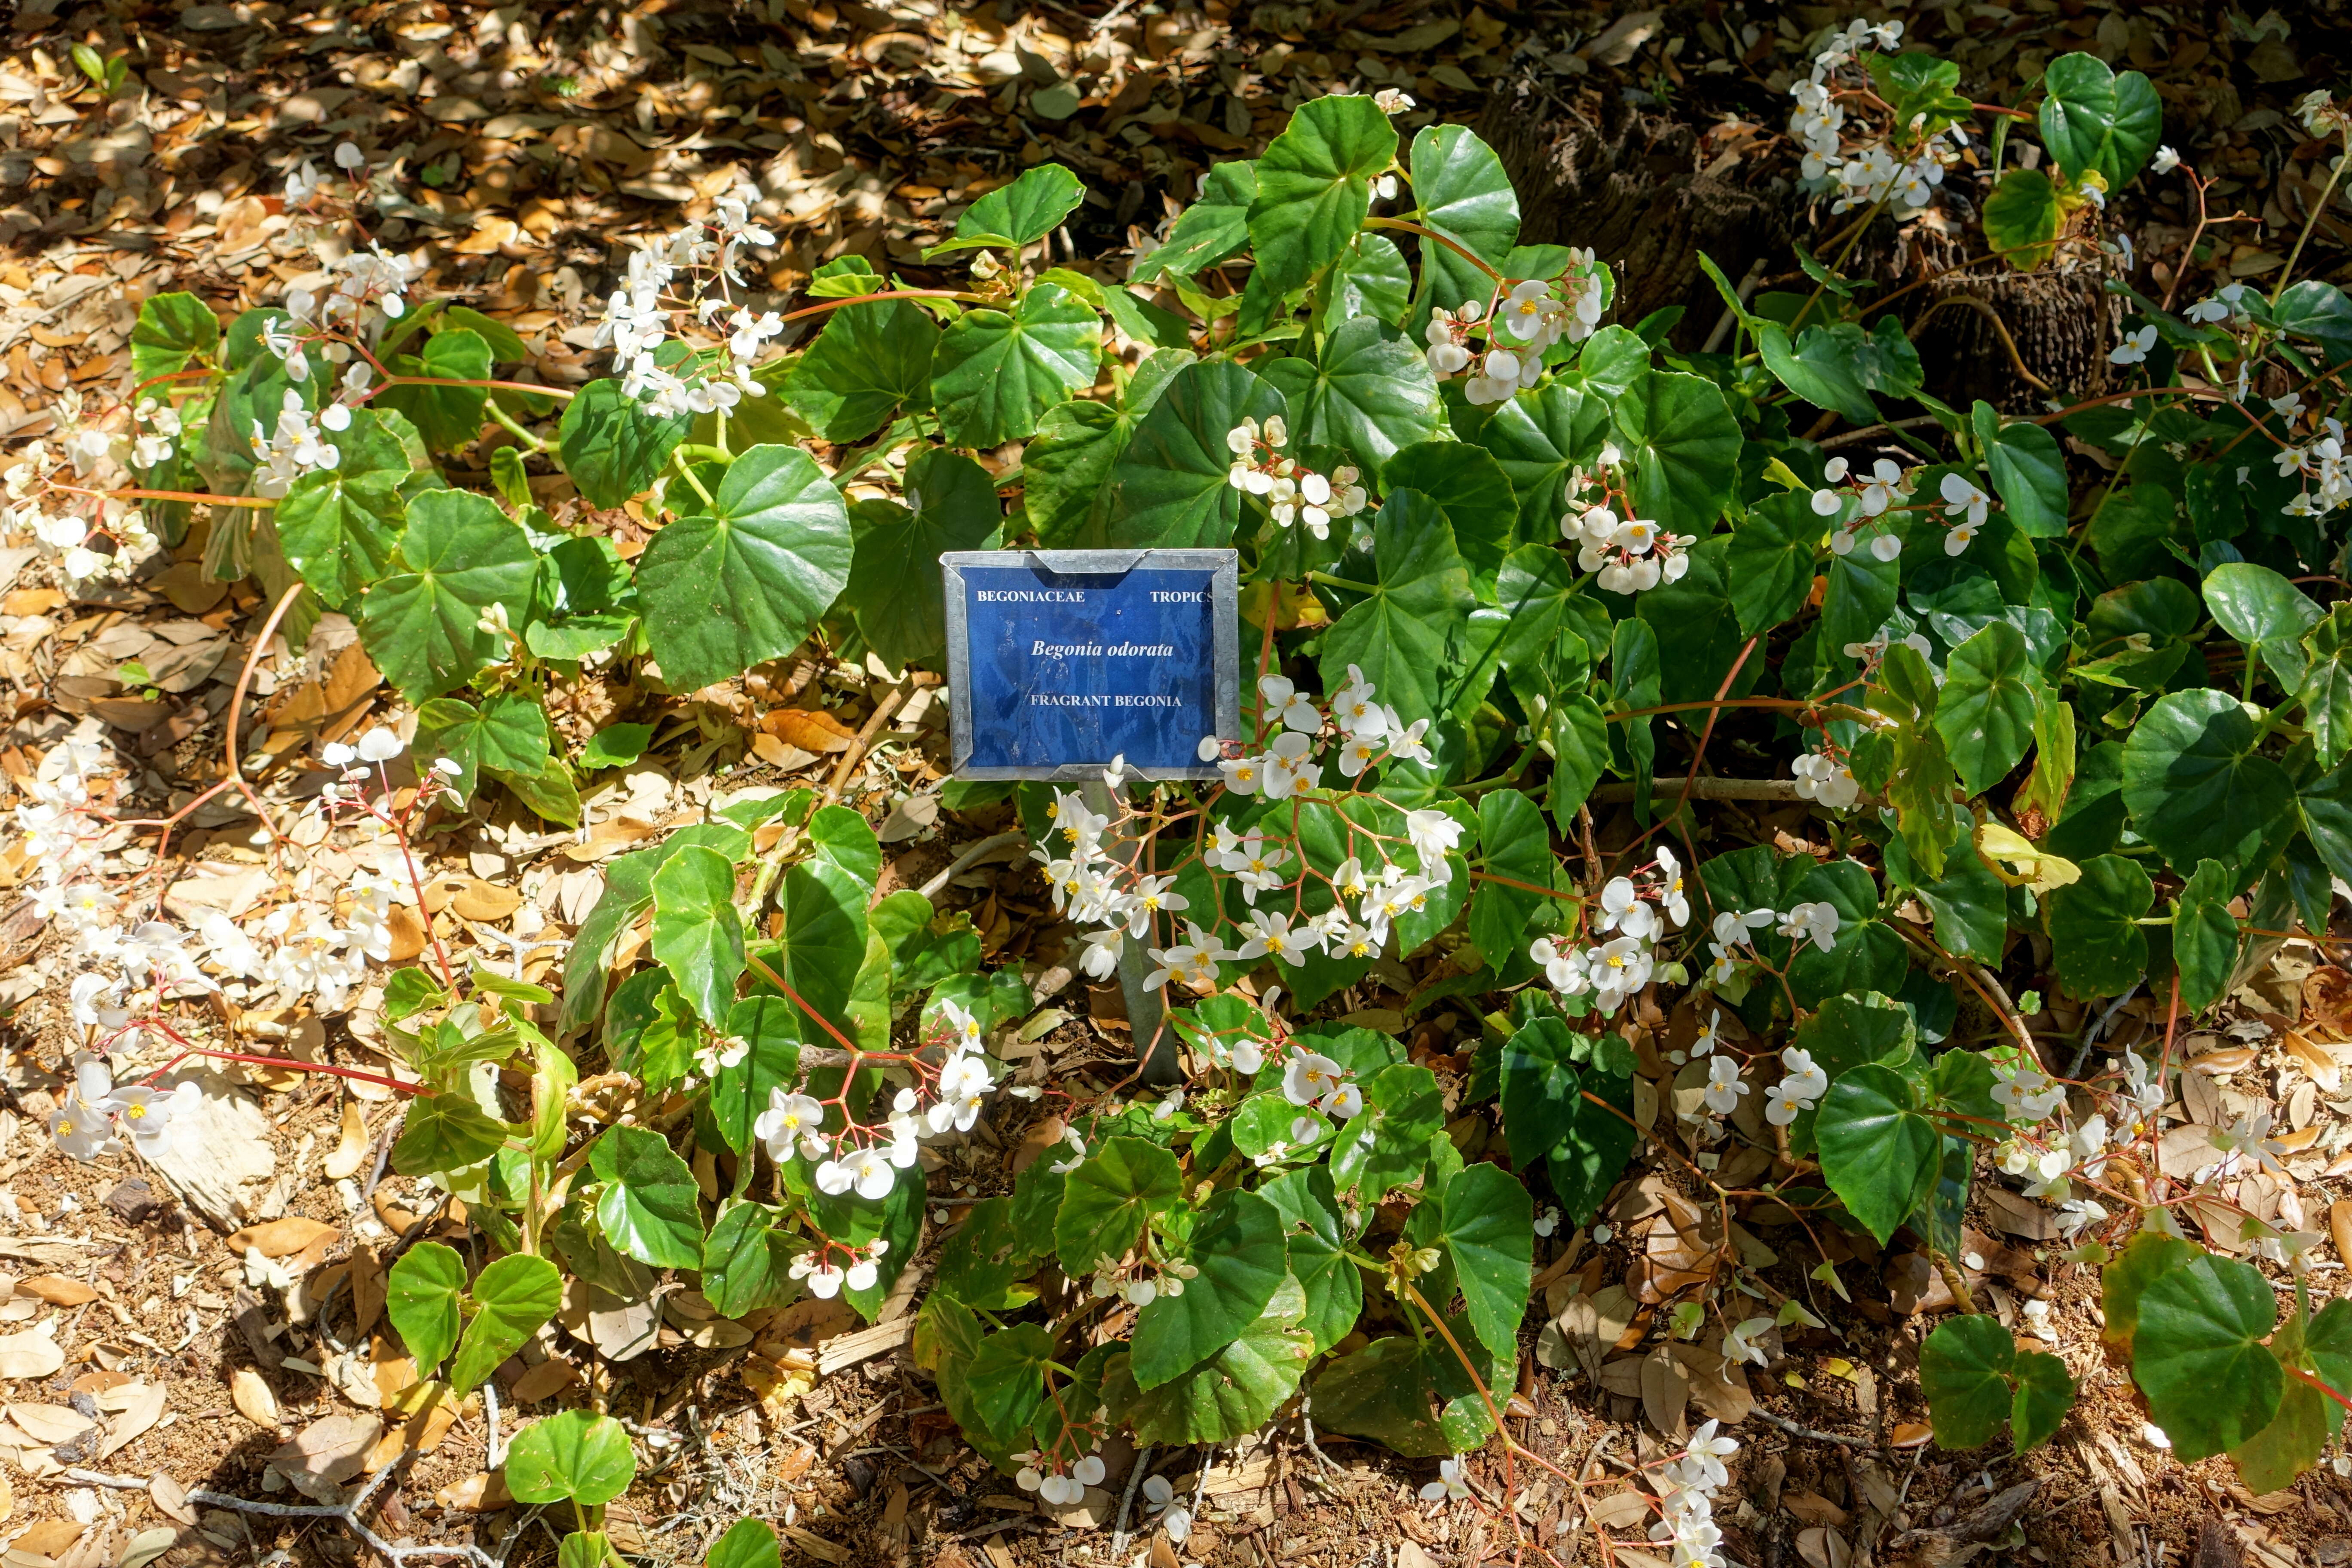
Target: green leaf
point(824, 935)
point(1466, 195)
point(1238, 1249)
point(1540, 439)
point(771, 1060)
point(1878, 1154)
point(2270, 1460)
point(1684, 444)
point(648, 1205)
point(2045, 1392)
point(1007, 1376)
point(1317, 1256)
point(2266, 612)
point(1542, 1096)
point(612, 447)
point(1517, 845)
point(2326, 689)
point(2021, 218)
point(616, 746)
point(2029, 472)
point(894, 578)
point(512, 1296)
point(1489, 1234)
point(2205, 936)
point(448, 417)
point(2148, 1257)
point(983, 1263)
point(1107, 1200)
point(746, 1260)
point(1236, 1391)
point(1369, 393)
point(1820, 366)
point(508, 731)
point(1385, 1144)
point(1986, 714)
point(1025, 211)
point(1208, 231)
point(698, 935)
point(549, 790)
point(171, 329)
point(1768, 561)
point(339, 529)
point(870, 361)
point(1964, 1372)
point(574, 1454)
point(2199, 1356)
point(1397, 634)
point(2197, 789)
point(746, 583)
point(1370, 279)
point(1471, 490)
point(460, 556)
point(1860, 596)
point(421, 1296)
point(1411, 1395)
point(1314, 187)
point(993, 375)
point(589, 1549)
point(748, 1543)
point(1173, 484)
point(2094, 118)
point(2096, 946)
point(446, 1132)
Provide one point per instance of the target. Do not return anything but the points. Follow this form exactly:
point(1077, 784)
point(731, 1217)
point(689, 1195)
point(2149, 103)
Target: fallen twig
point(1785, 1424)
point(349, 1513)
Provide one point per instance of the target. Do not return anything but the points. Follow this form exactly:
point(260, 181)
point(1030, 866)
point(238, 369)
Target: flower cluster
point(95, 1108)
point(1867, 170)
point(95, 457)
point(638, 322)
point(1292, 494)
point(1639, 908)
point(1058, 1487)
point(825, 1278)
point(1630, 556)
point(1521, 324)
point(2320, 460)
point(1888, 484)
point(1686, 1504)
point(1796, 1092)
point(1825, 780)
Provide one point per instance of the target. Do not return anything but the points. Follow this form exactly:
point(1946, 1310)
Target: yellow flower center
point(135, 1112)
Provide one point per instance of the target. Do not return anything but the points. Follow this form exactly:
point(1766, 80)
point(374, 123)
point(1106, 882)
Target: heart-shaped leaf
point(339, 529)
point(2266, 612)
point(1964, 1372)
point(2199, 1358)
point(1314, 188)
point(2097, 945)
point(1684, 446)
point(1208, 231)
point(746, 1260)
point(698, 935)
point(1397, 634)
point(1540, 439)
point(1466, 195)
point(994, 373)
point(422, 1297)
point(1770, 560)
point(2094, 118)
point(893, 577)
point(1878, 1152)
point(447, 416)
point(613, 447)
point(723, 591)
point(1236, 1391)
point(460, 556)
point(507, 731)
point(1173, 486)
point(2045, 1392)
point(573, 1455)
point(1107, 1200)
point(648, 1205)
point(1986, 714)
point(1238, 1249)
point(2197, 786)
point(1025, 211)
point(870, 361)
point(1489, 1238)
point(512, 1296)
point(1332, 1285)
point(1368, 393)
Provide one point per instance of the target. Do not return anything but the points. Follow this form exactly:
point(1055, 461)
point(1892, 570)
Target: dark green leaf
point(1025, 211)
point(870, 361)
point(894, 578)
point(1684, 444)
point(460, 556)
point(993, 375)
point(1397, 634)
point(1172, 485)
point(1314, 188)
point(2094, 118)
point(2211, 1383)
point(1107, 1200)
point(1964, 1372)
point(647, 1205)
point(1986, 714)
point(614, 448)
point(339, 529)
point(1239, 1252)
point(512, 1296)
point(1878, 1152)
point(1368, 393)
point(171, 329)
point(1466, 195)
point(2197, 787)
point(421, 1296)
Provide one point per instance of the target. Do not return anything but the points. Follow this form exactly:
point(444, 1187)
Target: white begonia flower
point(1393, 101)
point(349, 158)
point(1814, 922)
point(1451, 1485)
point(790, 1121)
point(2166, 161)
point(1808, 1079)
point(1289, 707)
point(1739, 1344)
point(1433, 834)
point(1564, 968)
point(1309, 1078)
point(2134, 348)
point(1723, 1085)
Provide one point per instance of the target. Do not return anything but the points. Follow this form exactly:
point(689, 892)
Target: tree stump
point(2061, 318)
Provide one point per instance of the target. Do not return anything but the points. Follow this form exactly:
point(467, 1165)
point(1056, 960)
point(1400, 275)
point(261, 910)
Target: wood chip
point(848, 1350)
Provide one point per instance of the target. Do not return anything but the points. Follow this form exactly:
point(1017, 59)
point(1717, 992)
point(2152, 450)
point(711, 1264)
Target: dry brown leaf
point(139, 1406)
point(2328, 997)
point(56, 1290)
point(51, 1538)
point(352, 1151)
point(406, 929)
point(1666, 1390)
point(170, 1497)
point(480, 1493)
point(1718, 1386)
point(548, 1379)
point(251, 1395)
point(810, 729)
point(280, 1237)
point(2317, 1061)
point(1822, 1548)
point(2339, 1227)
point(368, 1287)
point(329, 1450)
point(485, 902)
point(30, 1354)
point(1813, 1508)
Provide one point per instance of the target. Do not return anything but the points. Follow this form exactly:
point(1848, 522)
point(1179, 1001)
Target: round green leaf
point(460, 556)
point(1331, 1284)
point(2098, 948)
point(512, 1296)
point(748, 1543)
point(2045, 1392)
point(1466, 195)
point(1208, 231)
point(1107, 1200)
point(171, 329)
point(993, 375)
point(507, 731)
point(2211, 1383)
point(1490, 1236)
point(771, 1060)
point(1173, 486)
point(446, 1132)
point(1370, 279)
point(2205, 935)
point(1986, 714)
point(1386, 1144)
point(421, 1296)
point(1239, 1251)
point(824, 935)
point(1025, 211)
point(746, 1261)
point(1878, 1154)
point(2266, 612)
point(2326, 689)
point(1397, 634)
point(339, 529)
point(613, 448)
point(2146, 1259)
point(2021, 217)
point(2094, 118)
point(573, 1455)
point(1770, 560)
point(448, 417)
point(893, 577)
point(1007, 1376)
point(1471, 490)
point(2029, 472)
point(1539, 437)
point(2197, 789)
point(1684, 447)
point(869, 361)
point(1964, 1370)
point(1236, 1391)
point(1368, 394)
point(1314, 188)
point(724, 591)
point(1821, 365)
point(698, 935)
point(648, 1205)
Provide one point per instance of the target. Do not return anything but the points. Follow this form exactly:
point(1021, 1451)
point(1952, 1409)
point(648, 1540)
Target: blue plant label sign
point(1061, 661)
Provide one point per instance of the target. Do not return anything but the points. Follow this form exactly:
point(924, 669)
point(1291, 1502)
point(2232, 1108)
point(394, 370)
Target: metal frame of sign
point(1225, 651)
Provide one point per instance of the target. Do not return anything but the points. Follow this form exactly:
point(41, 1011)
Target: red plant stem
point(822, 305)
point(564, 393)
point(1404, 226)
point(2300, 1375)
point(263, 502)
point(800, 1002)
point(330, 1068)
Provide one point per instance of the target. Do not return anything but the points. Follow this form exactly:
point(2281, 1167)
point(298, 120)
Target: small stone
point(135, 1200)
